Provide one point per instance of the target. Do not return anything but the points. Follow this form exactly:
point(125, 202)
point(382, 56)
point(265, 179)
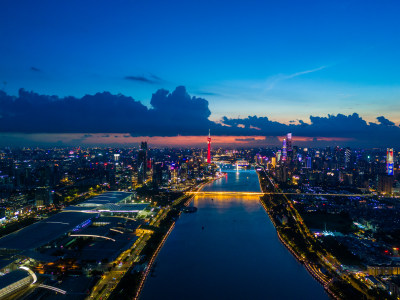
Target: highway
point(110, 279)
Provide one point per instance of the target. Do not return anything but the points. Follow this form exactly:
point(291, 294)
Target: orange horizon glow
point(169, 141)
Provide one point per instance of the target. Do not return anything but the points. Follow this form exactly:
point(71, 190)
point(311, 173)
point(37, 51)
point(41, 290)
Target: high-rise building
point(308, 162)
point(142, 163)
point(284, 150)
point(389, 161)
point(347, 155)
point(289, 142)
point(273, 162)
point(157, 174)
point(278, 155)
point(209, 148)
point(385, 183)
point(43, 196)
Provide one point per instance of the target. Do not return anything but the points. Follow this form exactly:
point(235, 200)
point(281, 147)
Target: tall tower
point(209, 148)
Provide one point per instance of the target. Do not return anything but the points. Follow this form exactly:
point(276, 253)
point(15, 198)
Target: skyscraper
point(209, 148)
point(389, 161)
point(347, 155)
point(289, 142)
point(142, 162)
point(284, 150)
point(308, 162)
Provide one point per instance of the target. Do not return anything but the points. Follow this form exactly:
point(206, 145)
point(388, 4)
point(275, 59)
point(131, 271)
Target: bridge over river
point(233, 193)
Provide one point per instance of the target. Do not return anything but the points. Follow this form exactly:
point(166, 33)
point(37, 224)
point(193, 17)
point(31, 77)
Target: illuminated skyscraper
point(289, 142)
point(389, 161)
point(278, 155)
point(284, 150)
point(209, 148)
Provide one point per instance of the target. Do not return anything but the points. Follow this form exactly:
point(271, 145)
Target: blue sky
point(283, 59)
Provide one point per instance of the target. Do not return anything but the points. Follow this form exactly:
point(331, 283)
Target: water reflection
point(228, 250)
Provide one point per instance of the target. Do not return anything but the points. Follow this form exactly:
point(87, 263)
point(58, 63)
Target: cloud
point(30, 112)
point(245, 139)
point(172, 114)
point(303, 73)
point(271, 82)
point(383, 121)
point(151, 79)
point(332, 127)
point(34, 69)
point(203, 93)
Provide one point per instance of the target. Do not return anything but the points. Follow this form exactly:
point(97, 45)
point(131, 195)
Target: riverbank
point(133, 288)
point(295, 236)
point(311, 270)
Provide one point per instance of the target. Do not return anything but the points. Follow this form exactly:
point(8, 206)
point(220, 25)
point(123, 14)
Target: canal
point(228, 249)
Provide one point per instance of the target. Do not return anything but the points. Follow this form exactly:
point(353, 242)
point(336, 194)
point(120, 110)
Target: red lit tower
point(209, 148)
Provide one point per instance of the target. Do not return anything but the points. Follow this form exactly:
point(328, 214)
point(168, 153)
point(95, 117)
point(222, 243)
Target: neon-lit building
point(389, 161)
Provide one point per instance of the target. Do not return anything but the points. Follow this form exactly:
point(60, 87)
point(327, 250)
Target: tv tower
point(209, 147)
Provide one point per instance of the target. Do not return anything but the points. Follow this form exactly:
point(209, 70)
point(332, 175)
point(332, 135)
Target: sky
point(297, 66)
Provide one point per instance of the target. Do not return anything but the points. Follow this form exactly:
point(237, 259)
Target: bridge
point(228, 193)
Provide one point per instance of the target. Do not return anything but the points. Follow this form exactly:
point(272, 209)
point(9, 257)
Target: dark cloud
point(174, 113)
point(30, 112)
point(383, 121)
point(35, 69)
point(178, 113)
point(151, 79)
point(245, 140)
point(351, 127)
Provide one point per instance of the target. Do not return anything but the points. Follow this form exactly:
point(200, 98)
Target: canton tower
point(209, 148)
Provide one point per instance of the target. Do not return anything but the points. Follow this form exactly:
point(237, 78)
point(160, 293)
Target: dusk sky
point(324, 70)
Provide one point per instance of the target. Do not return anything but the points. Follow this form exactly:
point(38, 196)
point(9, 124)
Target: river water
point(228, 249)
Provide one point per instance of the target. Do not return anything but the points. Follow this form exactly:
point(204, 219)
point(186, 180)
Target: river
point(228, 249)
